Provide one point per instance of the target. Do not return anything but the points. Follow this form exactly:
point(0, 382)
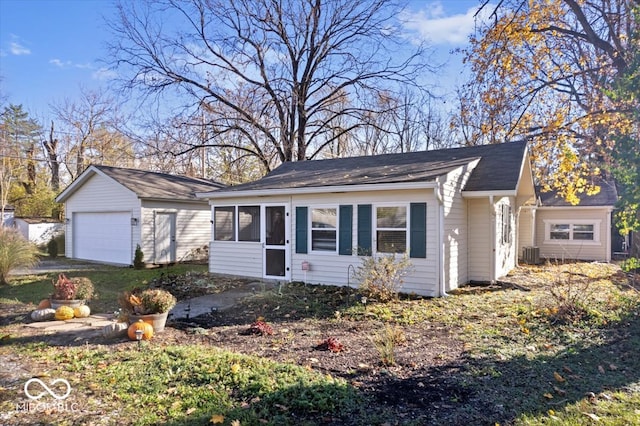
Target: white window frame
point(235, 219)
point(375, 229)
point(233, 223)
point(572, 222)
point(311, 228)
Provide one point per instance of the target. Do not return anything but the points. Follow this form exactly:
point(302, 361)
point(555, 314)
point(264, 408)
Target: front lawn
point(555, 344)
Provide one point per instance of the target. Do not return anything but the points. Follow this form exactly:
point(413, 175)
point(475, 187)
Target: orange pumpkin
point(147, 330)
point(44, 304)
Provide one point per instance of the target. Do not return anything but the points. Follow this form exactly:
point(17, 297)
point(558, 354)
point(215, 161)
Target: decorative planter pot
point(158, 321)
point(74, 303)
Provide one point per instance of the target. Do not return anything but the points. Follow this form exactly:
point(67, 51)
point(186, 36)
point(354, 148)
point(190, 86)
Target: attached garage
point(109, 211)
point(102, 236)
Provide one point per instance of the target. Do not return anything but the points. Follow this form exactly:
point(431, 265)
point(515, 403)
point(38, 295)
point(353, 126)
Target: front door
point(276, 238)
point(165, 238)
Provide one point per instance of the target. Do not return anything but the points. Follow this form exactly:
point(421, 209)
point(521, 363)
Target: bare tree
point(278, 79)
point(91, 124)
point(51, 148)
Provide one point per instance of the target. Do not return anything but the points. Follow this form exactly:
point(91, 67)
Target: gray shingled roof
point(154, 185)
point(608, 196)
point(498, 169)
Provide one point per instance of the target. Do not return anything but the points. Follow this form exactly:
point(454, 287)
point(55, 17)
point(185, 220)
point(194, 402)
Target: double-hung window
point(391, 229)
point(324, 225)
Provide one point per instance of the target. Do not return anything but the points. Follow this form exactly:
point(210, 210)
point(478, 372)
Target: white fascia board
point(484, 194)
point(174, 200)
point(578, 207)
point(216, 195)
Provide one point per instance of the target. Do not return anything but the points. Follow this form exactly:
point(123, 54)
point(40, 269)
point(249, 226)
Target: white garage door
point(105, 237)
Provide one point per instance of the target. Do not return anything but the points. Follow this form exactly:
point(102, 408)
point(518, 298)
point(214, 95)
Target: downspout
point(608, 233)
point(442, 290)
point(492, 227)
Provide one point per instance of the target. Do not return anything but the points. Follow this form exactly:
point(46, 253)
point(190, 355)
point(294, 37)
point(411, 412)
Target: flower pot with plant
point(72, 292)
point(150, 305)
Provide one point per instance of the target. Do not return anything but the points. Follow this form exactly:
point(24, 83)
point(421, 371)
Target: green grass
point(109, 281)
point(183, 385)
point(523, 363)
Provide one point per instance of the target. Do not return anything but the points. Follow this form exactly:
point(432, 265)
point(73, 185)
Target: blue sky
point(50, 49)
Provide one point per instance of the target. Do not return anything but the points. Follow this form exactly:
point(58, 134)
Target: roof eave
point(484, 194)
point(218, 195)
point(608, 207)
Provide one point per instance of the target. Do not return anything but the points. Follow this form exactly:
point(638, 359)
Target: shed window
point(577, 231)
point(391, 229)
point(323, 229)
point(223, 229)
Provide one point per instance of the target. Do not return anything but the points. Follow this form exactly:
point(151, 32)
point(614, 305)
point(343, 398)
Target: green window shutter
point(345, 232)
point(418, 237)
point(302, 219)
point(364, 230)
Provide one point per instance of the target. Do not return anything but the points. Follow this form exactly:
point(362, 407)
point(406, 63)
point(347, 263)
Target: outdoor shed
point(110, 210)
point(452, 211)
point(557, 230)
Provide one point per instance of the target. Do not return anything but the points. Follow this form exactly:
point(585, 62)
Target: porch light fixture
point(134, 221)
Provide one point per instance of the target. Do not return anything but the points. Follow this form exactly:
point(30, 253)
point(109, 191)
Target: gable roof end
point(145, 184)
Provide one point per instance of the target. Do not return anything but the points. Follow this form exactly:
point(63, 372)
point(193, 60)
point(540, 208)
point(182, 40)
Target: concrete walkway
point(82, 327)
point(190, 308)
point(216, 302)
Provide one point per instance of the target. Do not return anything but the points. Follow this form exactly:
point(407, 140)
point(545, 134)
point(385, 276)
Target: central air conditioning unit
point(531, 255)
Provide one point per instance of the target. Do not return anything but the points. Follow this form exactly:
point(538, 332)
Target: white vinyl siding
point(336, 269)
point(480, 237)
point(193, 228)
point(456, 228)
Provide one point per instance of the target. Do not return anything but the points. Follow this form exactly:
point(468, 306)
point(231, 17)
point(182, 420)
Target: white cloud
point(103, 74)
point(60, 64)
point(18, 49)
point(70, 64)
point(433, 25)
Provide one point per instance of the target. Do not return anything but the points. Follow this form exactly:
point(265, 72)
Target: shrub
point(381, 277)
point(84, 288)
point(146, 301)
point(52, 248)
point(386, 341)
point(631, 265)
point(138, 258)
point(571, 296)
point(15, 252)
